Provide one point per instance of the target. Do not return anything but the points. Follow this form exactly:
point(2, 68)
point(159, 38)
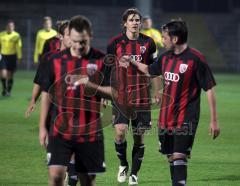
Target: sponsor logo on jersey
point(136, 58)
point(142, 49)
point(91, 69)
point(183, 68)
point(169, 76)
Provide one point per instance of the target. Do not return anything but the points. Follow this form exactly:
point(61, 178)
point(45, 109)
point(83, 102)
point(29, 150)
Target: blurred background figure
point(44, 34)
point(54, 45)
point(11, 52)
point(54, 42)
point(148, 30)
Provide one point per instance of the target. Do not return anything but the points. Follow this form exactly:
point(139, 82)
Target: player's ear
point(60, 36)
point(175, 39)
point(91, 35)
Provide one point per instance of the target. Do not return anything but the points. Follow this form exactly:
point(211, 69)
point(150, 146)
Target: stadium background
point(214, 28)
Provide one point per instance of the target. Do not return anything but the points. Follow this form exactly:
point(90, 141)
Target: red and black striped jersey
point(75, 110)
point(51, 44)
point(131, 84)
point(184, 76)
point(40, 71)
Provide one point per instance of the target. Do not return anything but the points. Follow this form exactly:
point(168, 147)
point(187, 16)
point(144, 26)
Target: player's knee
point(56, 180)
point(119, 137)
point(178, 156)
point(56, 177)
point(179, 159)
point(121, 130)
point(88, 180)
point(4, 74)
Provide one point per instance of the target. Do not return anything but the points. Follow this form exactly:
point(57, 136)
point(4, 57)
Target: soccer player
point(51, 44)
point(11, 51)
point(54, 42)
point(185, 73)
point(63, 37)
point(133, 101)
point(75, 125)
point(42, 35)
point(148, 30)
point(64, 43)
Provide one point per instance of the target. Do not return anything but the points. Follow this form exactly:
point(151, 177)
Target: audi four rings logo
point(137, 58)
point(171, 76)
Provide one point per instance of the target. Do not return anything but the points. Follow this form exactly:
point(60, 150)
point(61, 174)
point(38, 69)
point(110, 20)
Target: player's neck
point(180, 48)
point(62, 47)
point(9, 32)
point(48, 29)
point(74, 54)
point(78, 55)
point(132, 35)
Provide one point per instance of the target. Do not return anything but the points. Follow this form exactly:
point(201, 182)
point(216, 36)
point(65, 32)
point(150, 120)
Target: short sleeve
point(38, 75)
point(152, 52)
point(48, 78)
point(109, 62)
point(46, 47)
point(155, 69)
point(111, 47)
point(204, 76)
point(152, 47)
point(40, 70)
point(106, 74)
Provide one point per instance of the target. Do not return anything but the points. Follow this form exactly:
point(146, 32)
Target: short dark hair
point(130, 11)
point(178, 28)
point(61, 26)
point(81, 23)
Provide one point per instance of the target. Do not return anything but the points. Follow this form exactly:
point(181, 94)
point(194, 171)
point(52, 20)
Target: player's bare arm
point(107, 90)
point(35, 95)
point(125, 61)
point(43, 133)
point(214, 129)
point(157, 85)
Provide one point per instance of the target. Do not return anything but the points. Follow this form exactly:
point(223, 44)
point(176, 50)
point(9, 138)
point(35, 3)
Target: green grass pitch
point(213, 163)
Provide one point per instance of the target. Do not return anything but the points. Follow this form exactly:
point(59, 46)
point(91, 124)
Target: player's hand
point(19, 61)
point(214, 129)
point(124, 61)
point(157, 97)
point(104, 102)
point(43, 137)
point(82, 80)
point(30, 109)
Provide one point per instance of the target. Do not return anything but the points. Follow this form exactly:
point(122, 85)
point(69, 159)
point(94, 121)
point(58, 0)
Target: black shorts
point(139, 119)
point(178, 140)
point(8, 62)
point(89, 156)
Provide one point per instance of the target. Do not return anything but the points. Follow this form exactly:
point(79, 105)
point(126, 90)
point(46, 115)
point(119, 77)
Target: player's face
point(10, 27)
point(80, 42)
point(133, 23)
point(66, 38)
point(147, 24)
point(47, 25)
point(168, 42)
